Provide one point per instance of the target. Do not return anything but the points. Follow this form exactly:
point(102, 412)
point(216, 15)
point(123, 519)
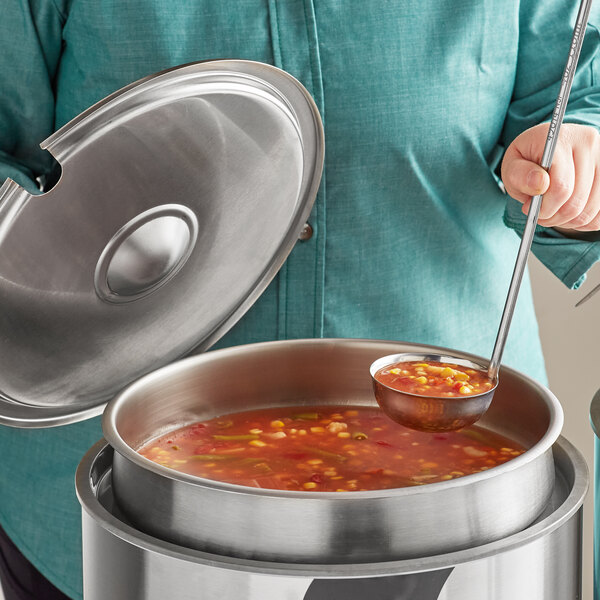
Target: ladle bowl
point(430, 413)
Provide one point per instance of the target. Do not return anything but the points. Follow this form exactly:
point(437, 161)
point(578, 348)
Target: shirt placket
point(295, 43)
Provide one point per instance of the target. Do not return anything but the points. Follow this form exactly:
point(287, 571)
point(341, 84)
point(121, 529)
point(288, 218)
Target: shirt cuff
point(25, 180)
point(568, 258)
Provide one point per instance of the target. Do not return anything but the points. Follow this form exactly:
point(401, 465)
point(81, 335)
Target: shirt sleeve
point(31, 45)
point(546, 28)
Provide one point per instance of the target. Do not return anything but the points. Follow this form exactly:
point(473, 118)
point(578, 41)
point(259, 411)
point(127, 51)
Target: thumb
point(523, 178)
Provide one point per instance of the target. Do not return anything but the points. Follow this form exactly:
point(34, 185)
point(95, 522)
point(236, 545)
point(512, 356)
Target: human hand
point(572, 188)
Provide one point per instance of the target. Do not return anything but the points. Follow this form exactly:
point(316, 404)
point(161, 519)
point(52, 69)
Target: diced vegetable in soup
point(325, 449)
point(434, 379)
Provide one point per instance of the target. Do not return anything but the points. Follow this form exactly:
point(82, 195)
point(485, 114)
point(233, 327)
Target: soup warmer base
point(542, 562)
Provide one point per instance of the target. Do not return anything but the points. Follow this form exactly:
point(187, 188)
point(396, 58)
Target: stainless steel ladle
point(435, 413)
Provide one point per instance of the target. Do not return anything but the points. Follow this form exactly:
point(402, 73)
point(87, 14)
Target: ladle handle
point(536, 201)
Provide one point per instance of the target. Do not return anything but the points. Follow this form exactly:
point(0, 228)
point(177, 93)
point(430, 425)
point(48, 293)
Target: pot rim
point(114, 438)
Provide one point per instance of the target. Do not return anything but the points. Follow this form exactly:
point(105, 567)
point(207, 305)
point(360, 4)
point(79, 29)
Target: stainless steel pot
point(319, 527)
point(542, 562)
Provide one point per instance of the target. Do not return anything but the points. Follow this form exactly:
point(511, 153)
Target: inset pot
point(320, 527)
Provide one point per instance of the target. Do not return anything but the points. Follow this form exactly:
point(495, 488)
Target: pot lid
point(180, 197)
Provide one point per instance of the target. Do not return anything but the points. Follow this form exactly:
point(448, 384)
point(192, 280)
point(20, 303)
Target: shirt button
point(306, 233)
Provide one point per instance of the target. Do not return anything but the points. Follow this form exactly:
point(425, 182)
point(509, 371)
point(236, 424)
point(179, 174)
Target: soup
point(434, 379)
point(325, 449)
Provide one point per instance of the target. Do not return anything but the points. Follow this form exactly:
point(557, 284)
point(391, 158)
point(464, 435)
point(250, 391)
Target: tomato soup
point(434, 379)
point(326, 449)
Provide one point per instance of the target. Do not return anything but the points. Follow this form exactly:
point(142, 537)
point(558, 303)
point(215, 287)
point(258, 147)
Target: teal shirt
point(418, 99)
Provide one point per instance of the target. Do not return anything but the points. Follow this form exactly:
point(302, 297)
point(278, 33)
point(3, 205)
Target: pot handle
point(421, 586)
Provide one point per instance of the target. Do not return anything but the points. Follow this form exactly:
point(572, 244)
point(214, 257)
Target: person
point(413, 237)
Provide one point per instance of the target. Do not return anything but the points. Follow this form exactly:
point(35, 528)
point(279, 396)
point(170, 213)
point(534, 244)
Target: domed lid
point(180, 198)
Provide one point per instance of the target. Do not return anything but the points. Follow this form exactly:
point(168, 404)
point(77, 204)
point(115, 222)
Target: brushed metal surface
point(307, 526)
point(146, 253)
point(595, 422)
point(237, 144)
point(542, 562)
